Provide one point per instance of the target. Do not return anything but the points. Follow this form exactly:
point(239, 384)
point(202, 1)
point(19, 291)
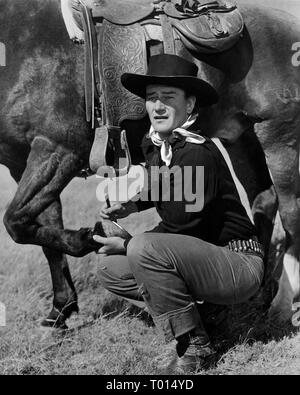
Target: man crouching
point(209, 253)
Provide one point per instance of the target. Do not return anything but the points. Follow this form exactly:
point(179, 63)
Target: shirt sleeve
point(143, 204)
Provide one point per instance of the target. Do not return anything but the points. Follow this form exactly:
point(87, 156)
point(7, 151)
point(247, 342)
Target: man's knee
point(115, 275)
point(148, 252)
point(107, 280)
point(163, 247)
point(137, 246)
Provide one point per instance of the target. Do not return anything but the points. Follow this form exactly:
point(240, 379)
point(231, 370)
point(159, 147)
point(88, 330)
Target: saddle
point(202, 26)
point(115, 35)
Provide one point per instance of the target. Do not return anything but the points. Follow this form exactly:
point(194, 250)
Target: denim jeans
point(171, 273)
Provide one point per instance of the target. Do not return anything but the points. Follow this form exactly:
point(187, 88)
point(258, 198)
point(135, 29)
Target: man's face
point(168, 107)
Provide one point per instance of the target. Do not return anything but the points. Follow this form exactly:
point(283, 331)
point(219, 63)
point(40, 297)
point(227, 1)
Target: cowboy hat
point(171, 70)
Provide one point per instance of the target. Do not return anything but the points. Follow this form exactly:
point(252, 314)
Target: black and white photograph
point(149, 190)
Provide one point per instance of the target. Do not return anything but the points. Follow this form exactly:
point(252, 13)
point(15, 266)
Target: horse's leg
point(50, 167)
point(283, 163)
point(65, 297)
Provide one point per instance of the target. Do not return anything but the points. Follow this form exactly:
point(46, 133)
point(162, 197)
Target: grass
point(109, 336)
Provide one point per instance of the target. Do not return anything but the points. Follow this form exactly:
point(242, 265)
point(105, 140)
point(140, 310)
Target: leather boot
point(198, 355)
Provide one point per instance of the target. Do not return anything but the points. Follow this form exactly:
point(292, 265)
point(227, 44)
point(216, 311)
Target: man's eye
point(151, 98)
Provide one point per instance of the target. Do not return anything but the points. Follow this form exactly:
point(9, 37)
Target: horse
point(258, 87)
point(44, 139)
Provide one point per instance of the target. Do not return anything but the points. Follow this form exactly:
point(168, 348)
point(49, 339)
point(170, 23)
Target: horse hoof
point(49, 324)
point(58, 316)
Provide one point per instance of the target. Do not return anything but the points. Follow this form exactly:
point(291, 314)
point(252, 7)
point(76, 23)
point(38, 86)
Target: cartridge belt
point(251, 246)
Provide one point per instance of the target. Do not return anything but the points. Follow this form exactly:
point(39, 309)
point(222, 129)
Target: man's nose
point(159, 106)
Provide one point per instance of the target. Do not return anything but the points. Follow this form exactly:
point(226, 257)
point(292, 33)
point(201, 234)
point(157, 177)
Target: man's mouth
point(160, 118)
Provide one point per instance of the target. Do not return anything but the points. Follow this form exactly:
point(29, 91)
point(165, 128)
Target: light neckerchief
point(166, 149)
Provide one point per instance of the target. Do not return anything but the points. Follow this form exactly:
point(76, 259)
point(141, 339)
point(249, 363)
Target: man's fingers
point(103, 215)
point(110, 213)
point(113, 209)
point(103, 251)
point(100, 239)
point(106, 212)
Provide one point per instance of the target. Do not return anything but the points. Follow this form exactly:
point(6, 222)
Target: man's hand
point(118, 210)
point(111, 245)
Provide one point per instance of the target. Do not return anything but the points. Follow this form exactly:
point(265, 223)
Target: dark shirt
point(222, 217)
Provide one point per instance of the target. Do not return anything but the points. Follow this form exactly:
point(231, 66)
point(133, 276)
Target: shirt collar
point(176, 142)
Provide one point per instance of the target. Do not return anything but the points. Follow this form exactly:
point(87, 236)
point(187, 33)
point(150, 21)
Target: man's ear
point(191, 101)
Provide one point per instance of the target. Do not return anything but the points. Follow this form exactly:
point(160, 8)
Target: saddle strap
point(167, 33)
point(181, 12)
point(92, 75)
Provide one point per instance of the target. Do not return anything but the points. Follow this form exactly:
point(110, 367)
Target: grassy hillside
point(109, 337)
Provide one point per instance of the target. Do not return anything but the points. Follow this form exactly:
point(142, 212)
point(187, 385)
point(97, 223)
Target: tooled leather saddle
point(115, 35)
point(205, 26)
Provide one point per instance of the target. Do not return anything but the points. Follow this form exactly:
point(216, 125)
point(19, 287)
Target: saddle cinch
point(112, 28)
